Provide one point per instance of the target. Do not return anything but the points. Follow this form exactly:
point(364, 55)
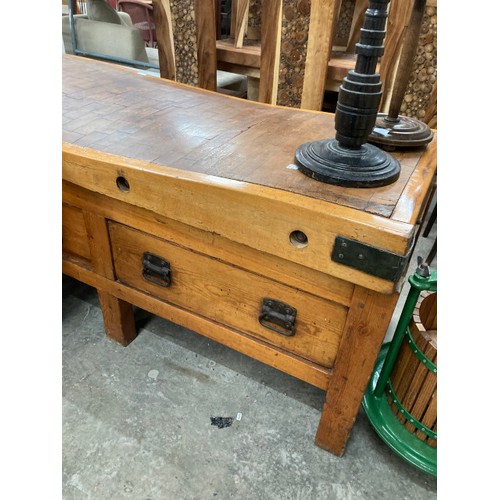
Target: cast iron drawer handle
point(156, 270)
point(278, 317)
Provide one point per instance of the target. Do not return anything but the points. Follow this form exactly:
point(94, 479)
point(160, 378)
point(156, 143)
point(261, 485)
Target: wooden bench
point(188, 204)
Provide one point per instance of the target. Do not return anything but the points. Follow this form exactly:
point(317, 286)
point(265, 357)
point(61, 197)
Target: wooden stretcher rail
point(293, 365)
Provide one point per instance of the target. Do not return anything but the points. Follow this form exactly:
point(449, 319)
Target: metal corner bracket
point(369, 259)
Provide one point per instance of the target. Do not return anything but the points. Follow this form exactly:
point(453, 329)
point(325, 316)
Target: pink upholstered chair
point(141, 13)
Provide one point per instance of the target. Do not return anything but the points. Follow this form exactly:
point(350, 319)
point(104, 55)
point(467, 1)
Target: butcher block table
point(187, 204)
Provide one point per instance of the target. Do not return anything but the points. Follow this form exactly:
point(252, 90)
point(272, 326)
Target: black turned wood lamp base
point(327, 161)
point(400, 132)
point(347, 160)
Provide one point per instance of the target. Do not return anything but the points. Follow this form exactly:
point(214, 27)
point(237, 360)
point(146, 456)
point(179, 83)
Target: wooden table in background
point(153, 169)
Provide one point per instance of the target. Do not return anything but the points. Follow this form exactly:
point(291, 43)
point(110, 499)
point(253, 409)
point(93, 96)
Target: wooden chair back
point(289, 41)
point(293, 49)
point(420, 100)
point(186, 33)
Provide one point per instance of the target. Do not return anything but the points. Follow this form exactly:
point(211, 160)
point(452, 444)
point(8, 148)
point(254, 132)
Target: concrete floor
point(136, 421)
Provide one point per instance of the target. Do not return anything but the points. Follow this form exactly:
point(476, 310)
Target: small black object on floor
point(222, 422)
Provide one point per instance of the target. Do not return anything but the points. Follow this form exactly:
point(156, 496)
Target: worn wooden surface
point(256, 216)
point(281, 272)
point(270, 355)
point(114, 110)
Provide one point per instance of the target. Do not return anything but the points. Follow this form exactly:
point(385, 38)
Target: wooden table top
point(116, 110)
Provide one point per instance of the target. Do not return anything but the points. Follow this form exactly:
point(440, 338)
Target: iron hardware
point(156, 269)
point(371, 260)
point(278, 317)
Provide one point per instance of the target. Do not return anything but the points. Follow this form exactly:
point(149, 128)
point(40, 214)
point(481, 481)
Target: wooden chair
point(294, 50)
point(186, 32)
point(420, 99)
point(271, 44)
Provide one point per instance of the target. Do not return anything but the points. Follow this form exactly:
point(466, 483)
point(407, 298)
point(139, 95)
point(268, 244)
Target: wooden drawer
point(229, 295)
point(74, 233)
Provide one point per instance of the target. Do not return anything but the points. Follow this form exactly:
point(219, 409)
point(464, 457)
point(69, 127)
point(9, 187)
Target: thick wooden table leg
point(367, 323)
point(118, 317)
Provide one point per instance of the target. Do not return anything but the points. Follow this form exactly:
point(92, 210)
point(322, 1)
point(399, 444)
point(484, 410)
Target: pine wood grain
point(260, 263)
point(74, 234)
point(367, 322)
point(229, 295)
point(97, 231)
point(118, 317)
point(414, 197)
point(271, 214)
point(208, 180)
point(117, 314)
point(272, 356)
